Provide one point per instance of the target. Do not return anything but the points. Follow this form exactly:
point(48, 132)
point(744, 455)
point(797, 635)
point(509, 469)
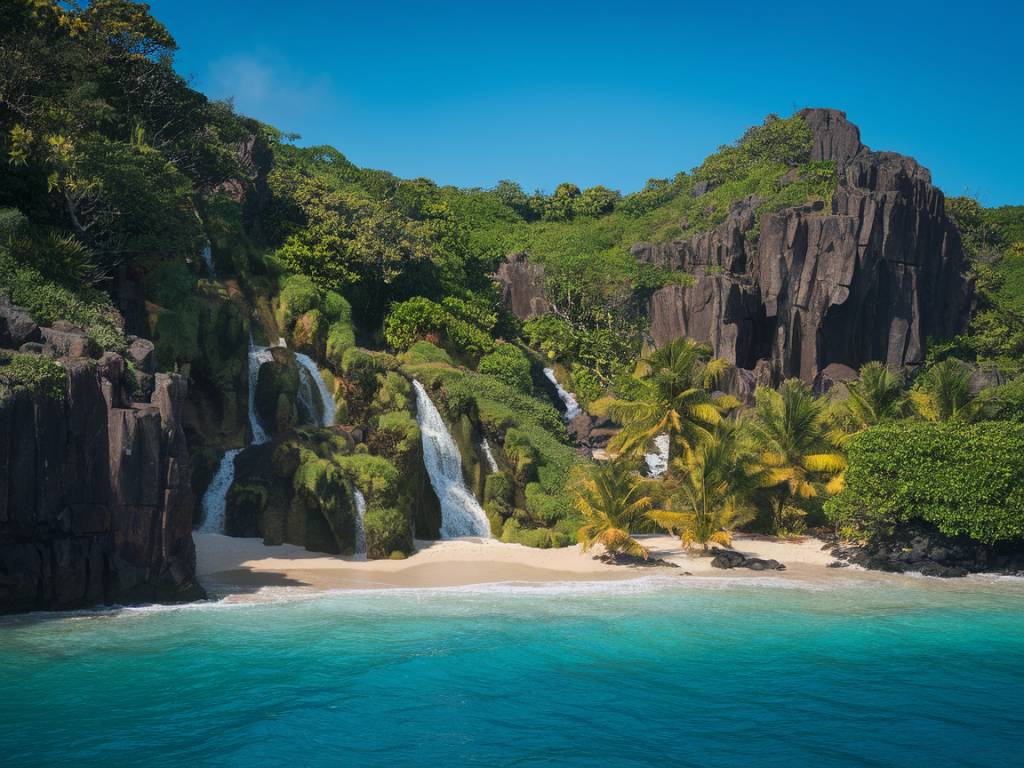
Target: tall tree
point(613, 499)
point(878, 396)
point(714, 489)
point(790, 430)
point(673, 398)
point(943, 393)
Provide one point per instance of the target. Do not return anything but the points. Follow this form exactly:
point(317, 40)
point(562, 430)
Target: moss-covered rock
point(309, 334)
point(277, 387)
point(295, 491)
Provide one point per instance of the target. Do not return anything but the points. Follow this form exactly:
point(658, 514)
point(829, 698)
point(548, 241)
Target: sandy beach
point(234, 566)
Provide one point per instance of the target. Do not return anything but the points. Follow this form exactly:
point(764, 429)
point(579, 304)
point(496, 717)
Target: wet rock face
point(522, 287)
point(95, 496)
point(277, 387)
point(870, 280)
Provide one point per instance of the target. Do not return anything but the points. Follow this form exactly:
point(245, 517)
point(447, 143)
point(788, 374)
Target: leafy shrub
point(417, 318)
point(498, 486)
point(48, 302)
point(375, 476)
point(340, 339)
point(40, 375)
point(336, 308)
point(424, 353)
point(508, 364)
point(388, 533)
point(964, 479)
point(298, 296)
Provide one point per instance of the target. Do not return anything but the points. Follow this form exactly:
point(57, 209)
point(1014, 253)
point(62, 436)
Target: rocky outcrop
point(729, 558)
point(922, 549)
point(871, 279)
point(522, 286)
point(95, 496)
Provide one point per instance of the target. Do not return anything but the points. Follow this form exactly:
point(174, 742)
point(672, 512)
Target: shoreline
point(239, 569)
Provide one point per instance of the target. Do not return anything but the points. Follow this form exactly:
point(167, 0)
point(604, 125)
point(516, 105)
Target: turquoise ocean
point(655, 672)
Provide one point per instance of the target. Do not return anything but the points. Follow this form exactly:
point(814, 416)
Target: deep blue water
point(683, 672)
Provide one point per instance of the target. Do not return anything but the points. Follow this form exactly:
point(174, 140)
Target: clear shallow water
point(618, 674)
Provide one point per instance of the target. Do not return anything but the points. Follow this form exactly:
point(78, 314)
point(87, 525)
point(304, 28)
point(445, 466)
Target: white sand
point(235, 566)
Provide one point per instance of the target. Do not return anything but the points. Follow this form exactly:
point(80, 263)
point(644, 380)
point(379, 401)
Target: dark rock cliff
point(95, 498)
point(872, 279)
point(522, 286)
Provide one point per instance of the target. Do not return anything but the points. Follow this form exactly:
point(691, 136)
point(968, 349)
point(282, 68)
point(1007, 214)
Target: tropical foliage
point(790, 430)
point(670, 397)
point(613, 499)
point(714, 490)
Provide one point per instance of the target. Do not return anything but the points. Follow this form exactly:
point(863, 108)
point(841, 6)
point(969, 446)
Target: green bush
point(176, 333)
point(424, 353)
point(48, 302)
point(40, 375)
point(336, 308)
point(418, 318)
point(340, 339)
point(498, 486)
point(964, 479)
point(388, 531)
point(508, 364)
point(375, 476)
point(298, 296)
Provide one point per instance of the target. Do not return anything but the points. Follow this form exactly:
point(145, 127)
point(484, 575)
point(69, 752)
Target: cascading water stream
point(657, 462)
point(491, 463)
point(572, 408)
point(215, 498)
point(360, 503)
point(461, 515)
point(207, 256)
point(325, 413)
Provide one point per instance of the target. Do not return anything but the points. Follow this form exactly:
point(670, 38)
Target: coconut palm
point(672, 398)
point(943, 393)
point(878, 396)
point(613, 499)
point(790, 430)
point(714, 489)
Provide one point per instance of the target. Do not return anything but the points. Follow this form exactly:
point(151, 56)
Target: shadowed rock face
point(522, 286)
point(871, 280)
point(95, 495)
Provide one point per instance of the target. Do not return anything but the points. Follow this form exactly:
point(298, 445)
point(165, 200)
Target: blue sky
point(468, 93)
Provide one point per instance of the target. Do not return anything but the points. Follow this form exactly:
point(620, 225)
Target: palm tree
point(715, 489)
point(613, 500)
point(943, 393)
point(672, 398)
point(790, 430)
point(878, 396)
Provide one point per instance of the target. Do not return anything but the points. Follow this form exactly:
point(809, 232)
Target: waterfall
point(215, 498)
point(325, 413)
point(360, 501)
point(657, 462)
point(491, 463)
point(461, 515)
point(572, 408)
point(207, 255)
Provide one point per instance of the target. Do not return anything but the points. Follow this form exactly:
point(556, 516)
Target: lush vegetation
point(964, 479)
point(115, 171)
